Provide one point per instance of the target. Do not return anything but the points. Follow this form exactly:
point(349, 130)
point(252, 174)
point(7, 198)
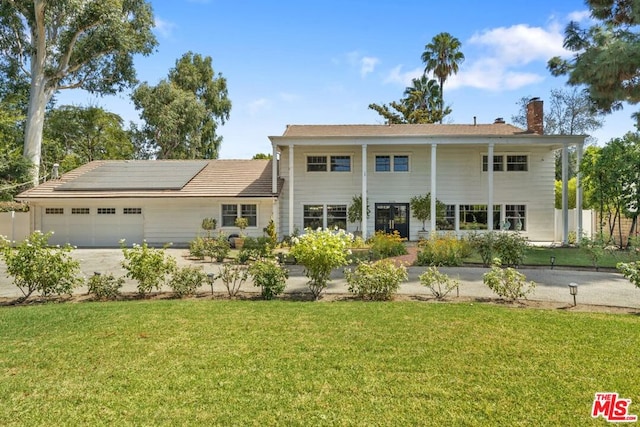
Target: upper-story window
point(340, 163)
point(389, 163)
point(316, 163)
point(509, 162)
point(519, 163)
point(498, 163)
point(329, 163)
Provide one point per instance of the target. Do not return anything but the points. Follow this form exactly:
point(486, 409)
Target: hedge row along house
point(489, 176)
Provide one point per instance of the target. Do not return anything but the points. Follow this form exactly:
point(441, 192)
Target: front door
point(392, 217)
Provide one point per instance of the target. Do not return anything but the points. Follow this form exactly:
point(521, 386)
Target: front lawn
point(204, 362)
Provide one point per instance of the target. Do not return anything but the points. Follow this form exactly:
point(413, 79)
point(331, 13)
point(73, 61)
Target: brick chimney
point(535, 115)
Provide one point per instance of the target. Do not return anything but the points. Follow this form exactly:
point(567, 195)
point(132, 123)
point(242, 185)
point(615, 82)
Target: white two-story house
point(489, 176)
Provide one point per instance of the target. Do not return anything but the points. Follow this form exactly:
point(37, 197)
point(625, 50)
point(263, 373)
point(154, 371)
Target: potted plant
point(209, 224)
point(241, 223)
point(354, 213)
point(421, 210)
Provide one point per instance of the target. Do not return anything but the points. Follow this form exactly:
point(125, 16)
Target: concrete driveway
point(595, 288)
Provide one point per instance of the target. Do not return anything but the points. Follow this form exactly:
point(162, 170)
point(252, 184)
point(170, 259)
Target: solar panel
point(137, 175)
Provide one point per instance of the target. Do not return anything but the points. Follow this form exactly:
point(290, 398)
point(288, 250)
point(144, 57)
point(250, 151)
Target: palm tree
point(423, 101)
point(442, 56)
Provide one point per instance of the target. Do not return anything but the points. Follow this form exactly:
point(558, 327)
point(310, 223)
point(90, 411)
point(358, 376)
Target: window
point(401, 163)
point(312, 216)
point(340, 163)
point(448, 222)
point(250, 212)
point(229, 215)
point(337, 216)
point(54, 211)
point(517, 163)
point(132, 211)
point(475, 217)
point(498, 163)
point(106, 211)
point(385, 163)
point(316, 163)
point(79, 211)
point(514, 217)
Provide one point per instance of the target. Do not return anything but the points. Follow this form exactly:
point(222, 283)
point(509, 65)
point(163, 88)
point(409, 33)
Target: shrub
point(217, 248)
point(376, 280)
point(105, 286)
point(385, 245)
point(320, 252)
point(233, 275)
point(594, 248)
point(150, 267)
point(438, 283)
point(187, 280)
point(508, 283)
point(442, 250)
point(196, 248)
point(631, 271)
point(270, 276)
point(255, 248)
point(36, 266)
point(510, 247)
point(272, 233)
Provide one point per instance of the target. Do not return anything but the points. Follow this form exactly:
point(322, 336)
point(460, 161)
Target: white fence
point(14, 225)
point(588, 223)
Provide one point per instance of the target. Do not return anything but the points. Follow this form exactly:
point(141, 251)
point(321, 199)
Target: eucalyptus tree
point(442, 56)
point(182, 113)
point(605, 58)
point(68, 44)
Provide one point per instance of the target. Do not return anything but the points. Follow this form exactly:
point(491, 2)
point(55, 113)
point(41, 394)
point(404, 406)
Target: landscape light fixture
point(552, 260)
point(211, 278)
point(573, 290)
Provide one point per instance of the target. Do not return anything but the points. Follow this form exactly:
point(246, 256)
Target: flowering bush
point(148, 266)
point(233, 275)
point(385, 245)
point(439, 283)
point(631, 271)
point(105, 286)
point(269, 276)
point(510, 247)
point(376, 280)
point(508, 283)
point(187, 280)
point(321, 251)
point(443, 250)
point(36, 266)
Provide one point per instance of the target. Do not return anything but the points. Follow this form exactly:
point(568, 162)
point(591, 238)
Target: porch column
point(274, 170)
point(579, 148)
point(290, 189)
point(490, 186)
point(364, 191)
point(565, 191)
point(433, 187)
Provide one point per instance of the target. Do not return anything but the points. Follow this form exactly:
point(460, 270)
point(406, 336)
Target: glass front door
point(392, 217)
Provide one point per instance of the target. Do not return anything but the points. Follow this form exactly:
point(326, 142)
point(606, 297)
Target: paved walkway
point(595, 288)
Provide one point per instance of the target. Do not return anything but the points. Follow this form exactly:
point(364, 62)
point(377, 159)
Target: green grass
point(203, 362)
point(567, 257)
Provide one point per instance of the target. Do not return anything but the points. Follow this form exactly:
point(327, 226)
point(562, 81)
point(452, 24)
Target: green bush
point(320, 251)
point(438, 283)
point(270, 276)
point(385, 245)
point(196, 248)
point(187, 280)
point(217, 248)
point(630, 270)
point(510, 247)
point(443, 250)
point(376, 280)
point(233, 275)
point(105, 286)
point(255, 248)
point(594, 248)
point(508, 283)
point(272, 233)
point(150, 267)
point(36, 266)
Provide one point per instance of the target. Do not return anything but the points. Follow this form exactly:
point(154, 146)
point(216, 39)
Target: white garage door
point(94, 227)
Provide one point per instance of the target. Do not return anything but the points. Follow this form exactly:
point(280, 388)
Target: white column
point(290, 189)
point(364, 191)
point(433, 187)
point(274, 170)
point(490, 187)
point(579, 191)
point(565, 191)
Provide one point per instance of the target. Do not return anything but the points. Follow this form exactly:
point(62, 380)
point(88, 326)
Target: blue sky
point(324, 62)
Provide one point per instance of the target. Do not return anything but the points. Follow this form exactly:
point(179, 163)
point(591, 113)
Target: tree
point(569, 112)
point(605, 56)
point(421, 104)
point(442, 56)
point(83, 134)
point(67, 44)
point(182, 113)
point(262, 156)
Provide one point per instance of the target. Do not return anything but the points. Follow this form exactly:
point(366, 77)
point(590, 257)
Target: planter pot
point(423, 235)
point(239, 242)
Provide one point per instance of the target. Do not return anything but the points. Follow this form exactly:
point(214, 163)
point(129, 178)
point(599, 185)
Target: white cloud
point(258, 105)
point(164, 28)
point(404, 78)
point(365, 64)
point(580, 16)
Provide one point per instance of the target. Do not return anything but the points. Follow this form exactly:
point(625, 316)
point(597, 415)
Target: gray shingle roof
point(495, 129)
